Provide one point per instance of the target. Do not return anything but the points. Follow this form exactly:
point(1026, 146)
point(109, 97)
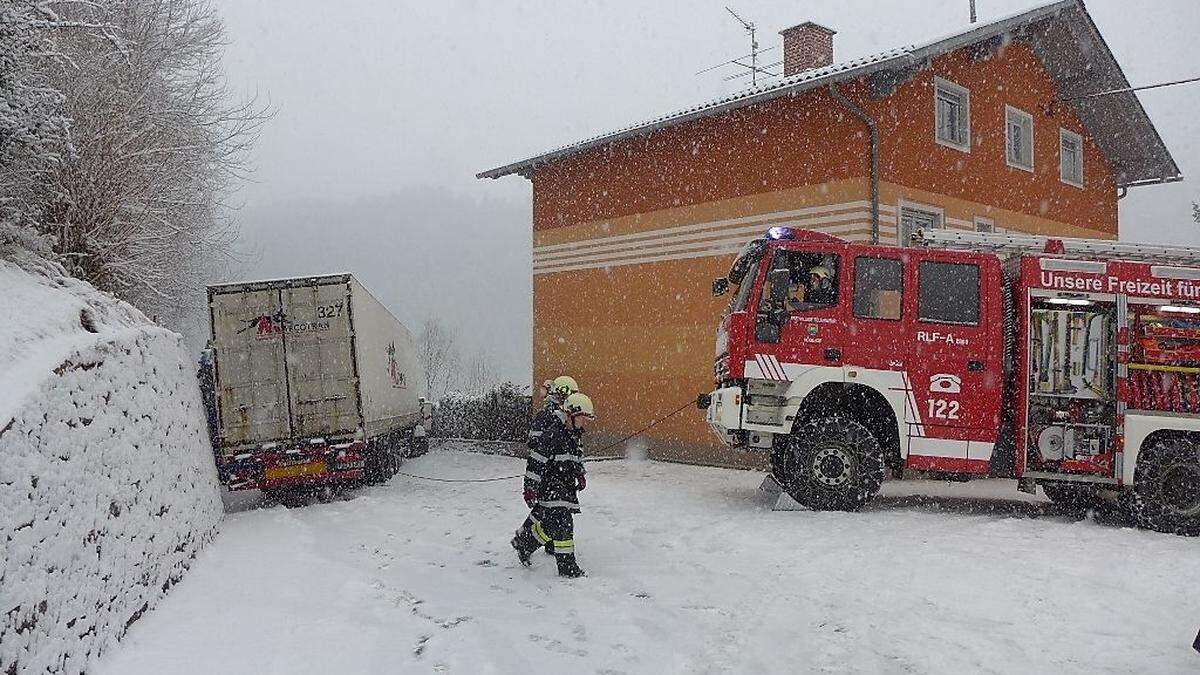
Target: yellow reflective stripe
point(564, 546)
point(540, 533)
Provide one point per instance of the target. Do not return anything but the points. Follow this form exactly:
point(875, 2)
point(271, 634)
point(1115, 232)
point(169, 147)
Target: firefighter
point(553, 478)
point(820, 286)
point(557, 390)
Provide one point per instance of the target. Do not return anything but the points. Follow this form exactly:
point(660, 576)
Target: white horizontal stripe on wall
point(740, 236)
point(680, 229)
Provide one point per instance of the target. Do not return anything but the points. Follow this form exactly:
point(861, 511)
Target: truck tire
point(380, 464)
point(1166, 491)
point(830, 463)
point(417, 445)
point(1074, 497)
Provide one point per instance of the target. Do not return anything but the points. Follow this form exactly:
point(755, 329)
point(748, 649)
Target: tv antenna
point(752, 68)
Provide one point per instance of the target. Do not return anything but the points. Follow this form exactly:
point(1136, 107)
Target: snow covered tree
point(32, 128)
point(157, 143)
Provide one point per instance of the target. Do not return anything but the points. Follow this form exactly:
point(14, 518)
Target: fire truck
point(1073, 364)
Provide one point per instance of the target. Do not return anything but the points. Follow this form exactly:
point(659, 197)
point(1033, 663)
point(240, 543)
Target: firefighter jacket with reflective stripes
point(555, 460)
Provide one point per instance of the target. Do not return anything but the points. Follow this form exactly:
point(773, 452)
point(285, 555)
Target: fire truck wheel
point(832, 463)
point(1078, 497)
point(1166, 492)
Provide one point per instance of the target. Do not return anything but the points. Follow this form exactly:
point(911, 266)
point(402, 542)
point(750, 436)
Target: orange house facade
point(993, 129)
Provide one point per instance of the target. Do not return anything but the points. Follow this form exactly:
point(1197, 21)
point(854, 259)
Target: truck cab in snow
point(316, 385)
point(1073, 364)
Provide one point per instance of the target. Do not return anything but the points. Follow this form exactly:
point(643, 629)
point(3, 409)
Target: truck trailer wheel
point(380, 464)
point(830, 463)
point(1166, 491)
point(417, 445)
point(1075, 497)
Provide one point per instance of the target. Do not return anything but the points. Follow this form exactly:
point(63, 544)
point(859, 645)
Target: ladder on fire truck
point(1075, 247)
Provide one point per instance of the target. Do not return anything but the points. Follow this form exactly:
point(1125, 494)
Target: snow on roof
point(1151, 162)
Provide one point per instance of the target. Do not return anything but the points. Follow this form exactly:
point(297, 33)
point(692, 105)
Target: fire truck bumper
point(724, 415)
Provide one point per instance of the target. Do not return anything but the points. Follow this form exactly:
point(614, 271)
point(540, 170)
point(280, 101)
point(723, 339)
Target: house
point(991, 128)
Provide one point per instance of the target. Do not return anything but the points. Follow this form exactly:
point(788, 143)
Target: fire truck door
point(956, 377)
point(812, 333)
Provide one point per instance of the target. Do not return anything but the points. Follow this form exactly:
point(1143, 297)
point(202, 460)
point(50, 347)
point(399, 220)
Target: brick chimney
point(805, 47)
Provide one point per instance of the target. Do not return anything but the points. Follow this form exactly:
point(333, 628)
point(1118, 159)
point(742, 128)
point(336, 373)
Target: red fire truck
point(1073, 364)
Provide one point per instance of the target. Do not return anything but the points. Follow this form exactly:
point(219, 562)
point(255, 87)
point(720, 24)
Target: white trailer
point(316, 383)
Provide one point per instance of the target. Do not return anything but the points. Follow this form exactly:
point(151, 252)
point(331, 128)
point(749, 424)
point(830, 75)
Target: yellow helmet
point(579, 404)
point(564, 385)
point(821, 271)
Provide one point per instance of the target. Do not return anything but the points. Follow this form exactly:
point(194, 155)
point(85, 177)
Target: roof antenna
point(752, 69)
point(972, 11)
point(749, 26)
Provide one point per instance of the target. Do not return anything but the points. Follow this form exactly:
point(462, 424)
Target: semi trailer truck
point(316, 385)
point(1070, 364)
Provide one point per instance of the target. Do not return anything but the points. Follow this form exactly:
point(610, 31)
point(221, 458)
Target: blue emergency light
point(778, 232)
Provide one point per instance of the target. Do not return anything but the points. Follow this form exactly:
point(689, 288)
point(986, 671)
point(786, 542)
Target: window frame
point(854, 295)
point(903, 204)
point(940, 83)
point(989, 223)
point(835, 284)
point(1065, 134)
point(978, 294)
point(1010, 112)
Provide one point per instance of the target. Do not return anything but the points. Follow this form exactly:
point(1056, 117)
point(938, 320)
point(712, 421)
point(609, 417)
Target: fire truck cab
point(1069, 363)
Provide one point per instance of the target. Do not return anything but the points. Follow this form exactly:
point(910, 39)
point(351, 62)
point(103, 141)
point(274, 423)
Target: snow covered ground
point(690, 570)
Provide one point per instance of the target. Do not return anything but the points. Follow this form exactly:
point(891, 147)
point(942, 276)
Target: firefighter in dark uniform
point(554, 476)
point(557, 391)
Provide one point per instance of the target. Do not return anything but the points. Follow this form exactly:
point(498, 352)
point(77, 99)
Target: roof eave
point(526, 165)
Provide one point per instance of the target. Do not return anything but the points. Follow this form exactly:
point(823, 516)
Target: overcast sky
point(387, 109)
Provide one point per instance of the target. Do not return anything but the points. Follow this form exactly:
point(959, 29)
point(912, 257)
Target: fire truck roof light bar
point(1029, 243)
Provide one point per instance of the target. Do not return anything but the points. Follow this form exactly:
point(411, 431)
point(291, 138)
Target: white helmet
point(564, 386)
point(579, 404)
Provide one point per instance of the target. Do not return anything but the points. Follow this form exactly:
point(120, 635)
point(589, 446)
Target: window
point(1018, 138)
point(743, 292)
point(951, 115)
point(913, 218)
point(1070, 157)
point(948, 293)
point(813, 280)
point(983, 224)
point(877, 288)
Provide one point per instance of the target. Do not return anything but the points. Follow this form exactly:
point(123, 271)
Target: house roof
point(1061, 33)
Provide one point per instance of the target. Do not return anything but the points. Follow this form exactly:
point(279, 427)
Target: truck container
point(316, 385)
point(1070, 364)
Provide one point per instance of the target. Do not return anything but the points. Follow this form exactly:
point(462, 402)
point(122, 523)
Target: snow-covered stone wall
point(107, 483)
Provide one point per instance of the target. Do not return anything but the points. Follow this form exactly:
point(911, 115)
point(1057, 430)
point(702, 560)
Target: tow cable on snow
point(606, 448)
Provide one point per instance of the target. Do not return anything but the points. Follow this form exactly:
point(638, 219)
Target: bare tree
point(157, 144)
point(480, 375)
point(1196, 212)
point(438, 352)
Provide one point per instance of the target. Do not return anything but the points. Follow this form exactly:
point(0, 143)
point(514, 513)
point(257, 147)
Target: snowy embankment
point(691, 569)
point(107, 484)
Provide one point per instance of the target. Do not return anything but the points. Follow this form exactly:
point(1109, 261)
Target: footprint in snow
point(550, 644)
